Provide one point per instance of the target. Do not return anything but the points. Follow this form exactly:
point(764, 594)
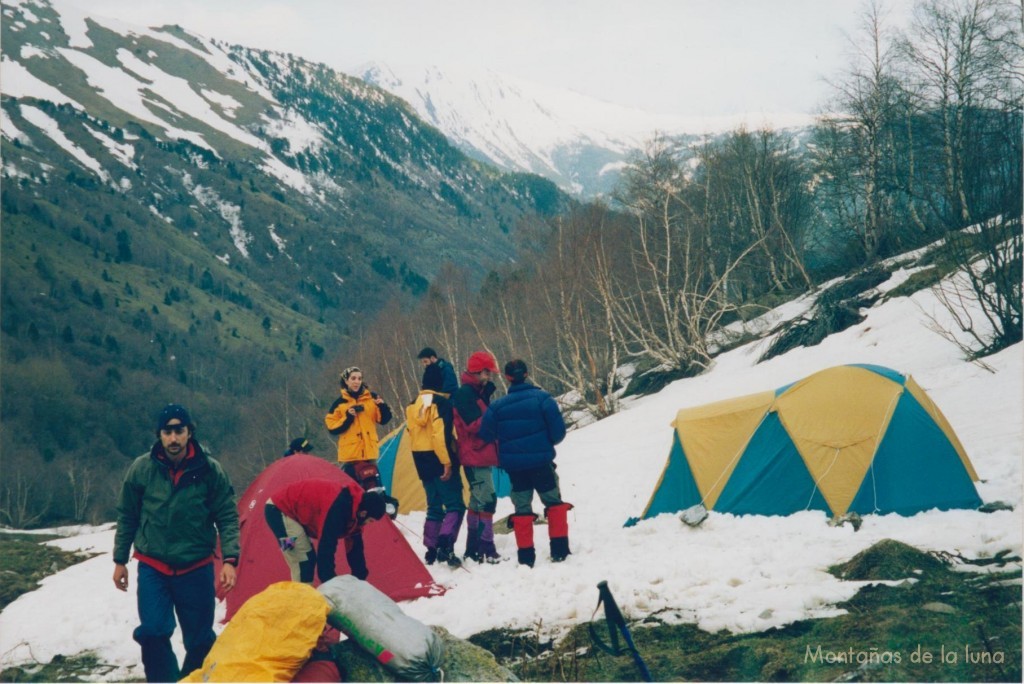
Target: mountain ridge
point(182, 217)
point(579, 142)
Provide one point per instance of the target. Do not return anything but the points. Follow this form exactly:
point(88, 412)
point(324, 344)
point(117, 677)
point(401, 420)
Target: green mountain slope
point(188, 221)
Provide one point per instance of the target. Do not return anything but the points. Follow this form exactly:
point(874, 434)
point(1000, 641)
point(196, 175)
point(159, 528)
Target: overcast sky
point(686, 57)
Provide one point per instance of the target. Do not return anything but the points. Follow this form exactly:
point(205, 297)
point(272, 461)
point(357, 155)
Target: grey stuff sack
point(369, 617)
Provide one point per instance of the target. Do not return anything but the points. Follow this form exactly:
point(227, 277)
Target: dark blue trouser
point(444, 496)
point(160, 596)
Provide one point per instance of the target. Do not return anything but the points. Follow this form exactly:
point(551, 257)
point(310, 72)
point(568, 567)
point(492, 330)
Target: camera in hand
point(358, 408)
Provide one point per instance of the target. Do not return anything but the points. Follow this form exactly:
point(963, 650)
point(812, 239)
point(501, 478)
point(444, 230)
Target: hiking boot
point(559, 549)
point(446, 554)
point(485, 557)
point(472, 534)
point(431, 530)
point(487, 553)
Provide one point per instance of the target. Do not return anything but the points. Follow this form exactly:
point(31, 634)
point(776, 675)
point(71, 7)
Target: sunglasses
point(174, 430)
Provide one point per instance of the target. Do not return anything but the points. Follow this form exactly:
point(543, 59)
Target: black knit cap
point(433, 378)
point(374, 503)
point(299, 444)
point(169, 413)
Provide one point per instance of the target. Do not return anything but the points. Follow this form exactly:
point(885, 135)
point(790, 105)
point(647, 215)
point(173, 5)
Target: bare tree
point(673, 293)
point(21, 505)
point(859, 150)
point(963, 58)
point(752, 187)
point(984, 296)
point(584, 346)
point(80, 477)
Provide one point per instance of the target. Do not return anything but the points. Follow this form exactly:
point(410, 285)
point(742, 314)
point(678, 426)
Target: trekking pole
point(616, 623)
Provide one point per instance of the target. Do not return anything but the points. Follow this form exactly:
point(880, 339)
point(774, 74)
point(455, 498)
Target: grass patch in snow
point(967, 623)
point(24, 561)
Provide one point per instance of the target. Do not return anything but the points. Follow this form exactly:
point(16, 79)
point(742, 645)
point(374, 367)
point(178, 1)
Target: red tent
point(394, 567)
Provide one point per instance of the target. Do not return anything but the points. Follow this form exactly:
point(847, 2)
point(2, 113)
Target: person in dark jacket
point(527, 425)
point(449, 384)
point(477, 457)
point(428, 357)
point(326, 510)
point(175, 501)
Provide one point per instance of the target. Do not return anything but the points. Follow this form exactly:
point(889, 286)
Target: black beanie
point(374, 504)
point(169, 413)
point(433, 378)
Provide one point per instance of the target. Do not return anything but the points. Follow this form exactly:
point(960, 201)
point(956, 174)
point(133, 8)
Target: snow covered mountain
point(576, 141)
point(579, 142)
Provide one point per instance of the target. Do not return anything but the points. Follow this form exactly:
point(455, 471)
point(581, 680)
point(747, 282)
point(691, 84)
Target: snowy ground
point(737, 573)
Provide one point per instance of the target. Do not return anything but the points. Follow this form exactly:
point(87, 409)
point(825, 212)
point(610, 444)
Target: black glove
point(487, 391)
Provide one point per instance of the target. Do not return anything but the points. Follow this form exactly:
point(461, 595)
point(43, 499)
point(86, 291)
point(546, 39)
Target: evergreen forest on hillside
point(100, 327)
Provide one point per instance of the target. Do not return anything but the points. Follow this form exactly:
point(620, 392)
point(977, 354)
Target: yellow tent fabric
point(720, 431)
point(269, 639)
point(836, 423)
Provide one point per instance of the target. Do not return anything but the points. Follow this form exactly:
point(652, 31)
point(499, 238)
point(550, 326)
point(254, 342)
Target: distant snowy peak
point(570, 138)
point(577, 141)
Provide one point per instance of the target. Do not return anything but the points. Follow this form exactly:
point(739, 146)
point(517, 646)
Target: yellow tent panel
point(720, 431)
point(836, 418)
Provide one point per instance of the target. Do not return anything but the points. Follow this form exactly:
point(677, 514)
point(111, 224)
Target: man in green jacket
point(174, 501)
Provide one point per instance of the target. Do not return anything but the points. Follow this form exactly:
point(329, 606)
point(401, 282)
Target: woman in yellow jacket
point(353, 419)
point(441, 479)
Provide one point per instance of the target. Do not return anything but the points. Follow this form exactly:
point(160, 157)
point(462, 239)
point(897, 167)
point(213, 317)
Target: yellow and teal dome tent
point(857, 438)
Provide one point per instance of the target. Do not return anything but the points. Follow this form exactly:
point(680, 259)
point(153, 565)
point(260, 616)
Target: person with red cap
point(527, 424)
point(478, 457)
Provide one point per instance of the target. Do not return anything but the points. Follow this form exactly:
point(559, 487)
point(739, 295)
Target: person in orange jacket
point(353, 418)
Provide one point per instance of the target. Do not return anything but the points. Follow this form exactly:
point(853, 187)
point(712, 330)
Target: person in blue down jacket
point(527, 425)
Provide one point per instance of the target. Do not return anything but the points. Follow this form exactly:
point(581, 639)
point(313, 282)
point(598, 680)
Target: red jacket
point(326, 509)
point(469, 403)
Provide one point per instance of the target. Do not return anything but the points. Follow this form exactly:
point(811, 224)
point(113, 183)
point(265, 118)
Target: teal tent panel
point(388, 454)
point(770, 477)
point(502, 483)
point(895, 376)
point(915, 468)
point(677, 489)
